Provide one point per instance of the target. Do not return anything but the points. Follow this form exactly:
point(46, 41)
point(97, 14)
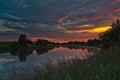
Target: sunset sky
point(56, 20)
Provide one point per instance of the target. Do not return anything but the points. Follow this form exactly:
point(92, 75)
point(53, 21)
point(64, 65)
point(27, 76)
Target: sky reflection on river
point(35, 58)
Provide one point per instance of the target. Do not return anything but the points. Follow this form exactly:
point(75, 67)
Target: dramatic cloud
point(56, 20)
point(61, 19)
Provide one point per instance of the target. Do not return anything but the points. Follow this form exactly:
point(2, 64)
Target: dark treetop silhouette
point(112, 35)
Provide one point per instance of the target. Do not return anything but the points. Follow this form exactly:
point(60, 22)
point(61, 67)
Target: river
point(27, 61)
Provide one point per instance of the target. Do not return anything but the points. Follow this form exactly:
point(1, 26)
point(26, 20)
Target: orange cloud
point(97, 17)
point(36, 38)
point(61, 19)
point(117, 10)
point(50, 39)
point(100, 29)
point(91, 31)
point(59, 40)
point(112, 16)
point(95, 30)
point(82, 39)
point(6, 29)
point(115, 1)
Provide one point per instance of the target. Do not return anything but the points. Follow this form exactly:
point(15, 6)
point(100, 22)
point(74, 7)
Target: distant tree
point(29, 42)
point(90, 42)
point(22, 40)
point(94, 42)
point(42, 42)
point(112, 35)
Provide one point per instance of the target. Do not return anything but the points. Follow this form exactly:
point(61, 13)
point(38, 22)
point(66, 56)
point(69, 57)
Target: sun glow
point(95, 30)
point(100, 29)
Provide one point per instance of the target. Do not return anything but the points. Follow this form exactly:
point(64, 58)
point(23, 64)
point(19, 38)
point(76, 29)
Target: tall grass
point(103, 66)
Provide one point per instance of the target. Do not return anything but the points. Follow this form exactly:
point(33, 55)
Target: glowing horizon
point(94, 30)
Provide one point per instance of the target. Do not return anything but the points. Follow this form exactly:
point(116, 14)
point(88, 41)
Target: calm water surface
point(27, 61)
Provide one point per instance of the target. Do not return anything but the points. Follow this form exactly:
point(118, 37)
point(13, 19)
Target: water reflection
point(42, 51)
point(26, 59)
point(89, 49)
point(24, 53)
point(39, 52)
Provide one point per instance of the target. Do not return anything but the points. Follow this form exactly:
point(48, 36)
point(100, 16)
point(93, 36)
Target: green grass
point(4, 47)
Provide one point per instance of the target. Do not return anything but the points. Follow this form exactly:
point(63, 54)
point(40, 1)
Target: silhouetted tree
point(29, 42)
point(22, 40)
point(112, 35)
point(90, 42)
point(42, 42)
point(23, 54)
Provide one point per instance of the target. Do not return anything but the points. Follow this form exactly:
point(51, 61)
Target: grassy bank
point(103, 66)
point(4, 47)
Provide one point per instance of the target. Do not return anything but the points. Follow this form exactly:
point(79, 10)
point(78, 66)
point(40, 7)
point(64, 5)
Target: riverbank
point(6, 48)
